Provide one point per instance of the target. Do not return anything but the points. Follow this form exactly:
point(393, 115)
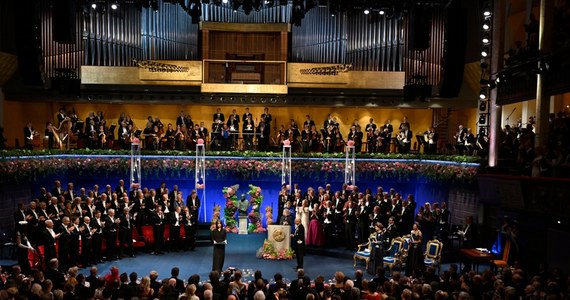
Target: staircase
point(441, 118)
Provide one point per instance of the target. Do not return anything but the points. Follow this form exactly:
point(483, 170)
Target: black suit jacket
point(299, 238)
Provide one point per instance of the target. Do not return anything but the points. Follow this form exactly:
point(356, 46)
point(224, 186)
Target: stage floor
point(241, 254)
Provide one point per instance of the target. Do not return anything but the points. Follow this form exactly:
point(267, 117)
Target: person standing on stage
point(298, 242)
point(218, 236)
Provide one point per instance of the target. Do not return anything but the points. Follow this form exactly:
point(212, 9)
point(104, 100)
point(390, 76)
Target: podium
point(280, 236)
point(242, 225)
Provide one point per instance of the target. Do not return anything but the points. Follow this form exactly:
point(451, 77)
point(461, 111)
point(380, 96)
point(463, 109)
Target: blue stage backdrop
point(424, 190)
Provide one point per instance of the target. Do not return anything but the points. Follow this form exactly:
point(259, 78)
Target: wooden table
point(476, 257)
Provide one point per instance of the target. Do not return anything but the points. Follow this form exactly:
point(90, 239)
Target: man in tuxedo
point(189, 223)
point(86, 241)
point(175, 220)
point(181, 120)
point(121, 189)
point(158, 219)
point(111, 224)
point(193, 204)
point(48, 240)
point(96, 225)
point(266, 118)
point(29, 136)
point(126, 233)
point(246, 115)
point(218, 116)
point(350, 220)
point(262, 136)
point(391, 230)
point(468, 237)
point(298, 241)
point(57, 190)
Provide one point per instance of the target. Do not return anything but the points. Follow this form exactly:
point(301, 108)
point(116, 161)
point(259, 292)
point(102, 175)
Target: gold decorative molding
point(244, 88)
point(247, 27)
point(168, 70)
point(326, 70)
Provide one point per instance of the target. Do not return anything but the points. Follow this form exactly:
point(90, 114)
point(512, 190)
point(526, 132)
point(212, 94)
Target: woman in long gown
point(218, 236)
point(415, 260)
point(303, 214)
point(315, 234)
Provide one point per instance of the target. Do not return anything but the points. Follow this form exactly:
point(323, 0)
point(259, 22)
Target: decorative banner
point(200, 174)
point(136, 162)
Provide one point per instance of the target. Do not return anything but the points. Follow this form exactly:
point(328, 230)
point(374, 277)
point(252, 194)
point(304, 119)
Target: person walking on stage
point(298, 242)
point(218, 236)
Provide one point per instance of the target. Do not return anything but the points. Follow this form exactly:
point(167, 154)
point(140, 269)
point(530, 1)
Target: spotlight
point(483, 106)
point(485, 52)
point(114, 6)
point(382, 12)
point(224, 1)
point(486, 25)
point(94, 5)
point(482, 94)
point(487, 12)
point(486, 39)
point(366, 11)
point(273, 100)
point(482, 119)
point(263, 100)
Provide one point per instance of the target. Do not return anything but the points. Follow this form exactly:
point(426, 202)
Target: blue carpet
point(241, 254)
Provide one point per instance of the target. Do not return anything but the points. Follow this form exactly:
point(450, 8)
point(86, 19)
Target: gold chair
point(393, 257)
point(403, 255)
point(363, 251)
point(432, 256)
point(502, 263)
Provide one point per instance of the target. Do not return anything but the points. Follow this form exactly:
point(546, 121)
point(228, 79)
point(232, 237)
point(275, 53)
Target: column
point(495, 110)
point(544, 46)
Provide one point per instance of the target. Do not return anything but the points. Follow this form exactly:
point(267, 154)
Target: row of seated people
point(515, 283)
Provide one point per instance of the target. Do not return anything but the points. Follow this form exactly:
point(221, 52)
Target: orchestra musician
point(266, 117)
point(305, 136)
point(371, 136)
point(124, 135)
point(315, 140)
point(29, 134)
point(385, 137)
point(248, 132)
point(50, 134)
point(469, 141)
point(167, 141)
point(101, 137)
point(246, 114)
point(179, 137)
point(404, 140)
point(218, 116)
point(430, 141)
point(459, 139)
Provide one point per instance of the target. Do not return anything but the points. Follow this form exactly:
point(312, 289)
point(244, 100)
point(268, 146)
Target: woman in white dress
point(303, 214)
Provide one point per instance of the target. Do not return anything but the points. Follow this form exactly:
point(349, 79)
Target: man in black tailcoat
point(298, 242)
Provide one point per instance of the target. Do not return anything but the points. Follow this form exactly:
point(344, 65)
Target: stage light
point(94, 5)
point(224, 1)
point(483, 106)
point(482, 94)
point(486, 25)
point(485, 52)
point(382, 12)
point(366, 11)
point(487, 12)
point(114, 6)
point(486, 39)
point(482, 119)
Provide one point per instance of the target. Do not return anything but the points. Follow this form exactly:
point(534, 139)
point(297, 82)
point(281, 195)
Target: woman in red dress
point(316, 234)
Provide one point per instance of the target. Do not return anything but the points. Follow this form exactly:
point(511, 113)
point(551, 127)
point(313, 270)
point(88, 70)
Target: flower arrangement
point(231, 207)
point(268, 251)
point(216, 216)
point(269, 215)
point(15, 169)
point(255, 200)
